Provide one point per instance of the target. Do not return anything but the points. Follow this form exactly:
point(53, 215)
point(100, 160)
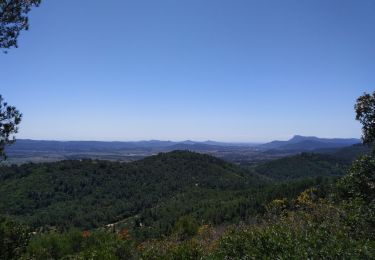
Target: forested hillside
point(223, 211)
point(174, 205)
point(154, 192)
point(305, 165)
point(89, 194)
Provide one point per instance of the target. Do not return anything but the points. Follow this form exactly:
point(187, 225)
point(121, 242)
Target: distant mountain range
point(101, 146)
point(300, 143)
point(309, 143)
point(25, 150)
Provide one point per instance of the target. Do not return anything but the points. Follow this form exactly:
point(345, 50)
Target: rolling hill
point(349, 153)
point(155, 191)
point(92, 193)
point(305, 165)
point(309, 143)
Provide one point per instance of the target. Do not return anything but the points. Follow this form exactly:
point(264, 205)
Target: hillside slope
point(305, 165)
point(309, 143)
point(89, 193)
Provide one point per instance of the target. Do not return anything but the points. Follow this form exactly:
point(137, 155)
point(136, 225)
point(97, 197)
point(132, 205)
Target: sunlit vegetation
point(324, 221)
point(147, 196)
point(208, 209)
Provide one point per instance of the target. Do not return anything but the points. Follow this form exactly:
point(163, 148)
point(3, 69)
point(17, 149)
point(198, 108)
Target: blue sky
point(228, 70)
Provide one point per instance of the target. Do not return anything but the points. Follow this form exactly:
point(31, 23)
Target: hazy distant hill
point(309, 143)
point(195, 147)
point(24, 151)
point(84, 146)
point(25, 145)
point(48, 151)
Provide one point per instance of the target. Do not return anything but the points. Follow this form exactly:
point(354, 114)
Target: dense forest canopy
point(192, 205)
point(185, 205)
point(91, 193)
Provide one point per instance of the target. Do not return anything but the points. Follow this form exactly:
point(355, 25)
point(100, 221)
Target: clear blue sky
point(228, 70)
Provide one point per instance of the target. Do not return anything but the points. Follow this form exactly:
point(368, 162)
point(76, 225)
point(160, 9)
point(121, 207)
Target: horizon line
point(180, 140)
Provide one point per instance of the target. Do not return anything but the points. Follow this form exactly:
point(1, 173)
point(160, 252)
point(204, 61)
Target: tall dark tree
point(365, 110)
point(10, 118)
point(13, 19)
point(359, 184)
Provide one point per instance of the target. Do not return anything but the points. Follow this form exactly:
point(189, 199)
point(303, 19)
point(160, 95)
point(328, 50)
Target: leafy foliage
point(309, 226)
point(14, 238)
point(316, 234)
point(80, 245)
point(365, 114)
point(305, 218)
point(10, 118)
point(360, 181)
point(13, 19)
point(186, 227)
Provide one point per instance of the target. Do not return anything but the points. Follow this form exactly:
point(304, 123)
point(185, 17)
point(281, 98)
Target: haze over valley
point(187, 130)
point(47, 151)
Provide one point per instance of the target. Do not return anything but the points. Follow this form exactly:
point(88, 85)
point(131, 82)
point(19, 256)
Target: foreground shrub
point(80, 245)
point(14, 238)
point(319, 234)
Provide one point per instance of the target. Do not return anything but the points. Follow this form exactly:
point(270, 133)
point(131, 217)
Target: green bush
point(80, 245)
point(14, 238)
point(360, 181)
point(186, 227)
